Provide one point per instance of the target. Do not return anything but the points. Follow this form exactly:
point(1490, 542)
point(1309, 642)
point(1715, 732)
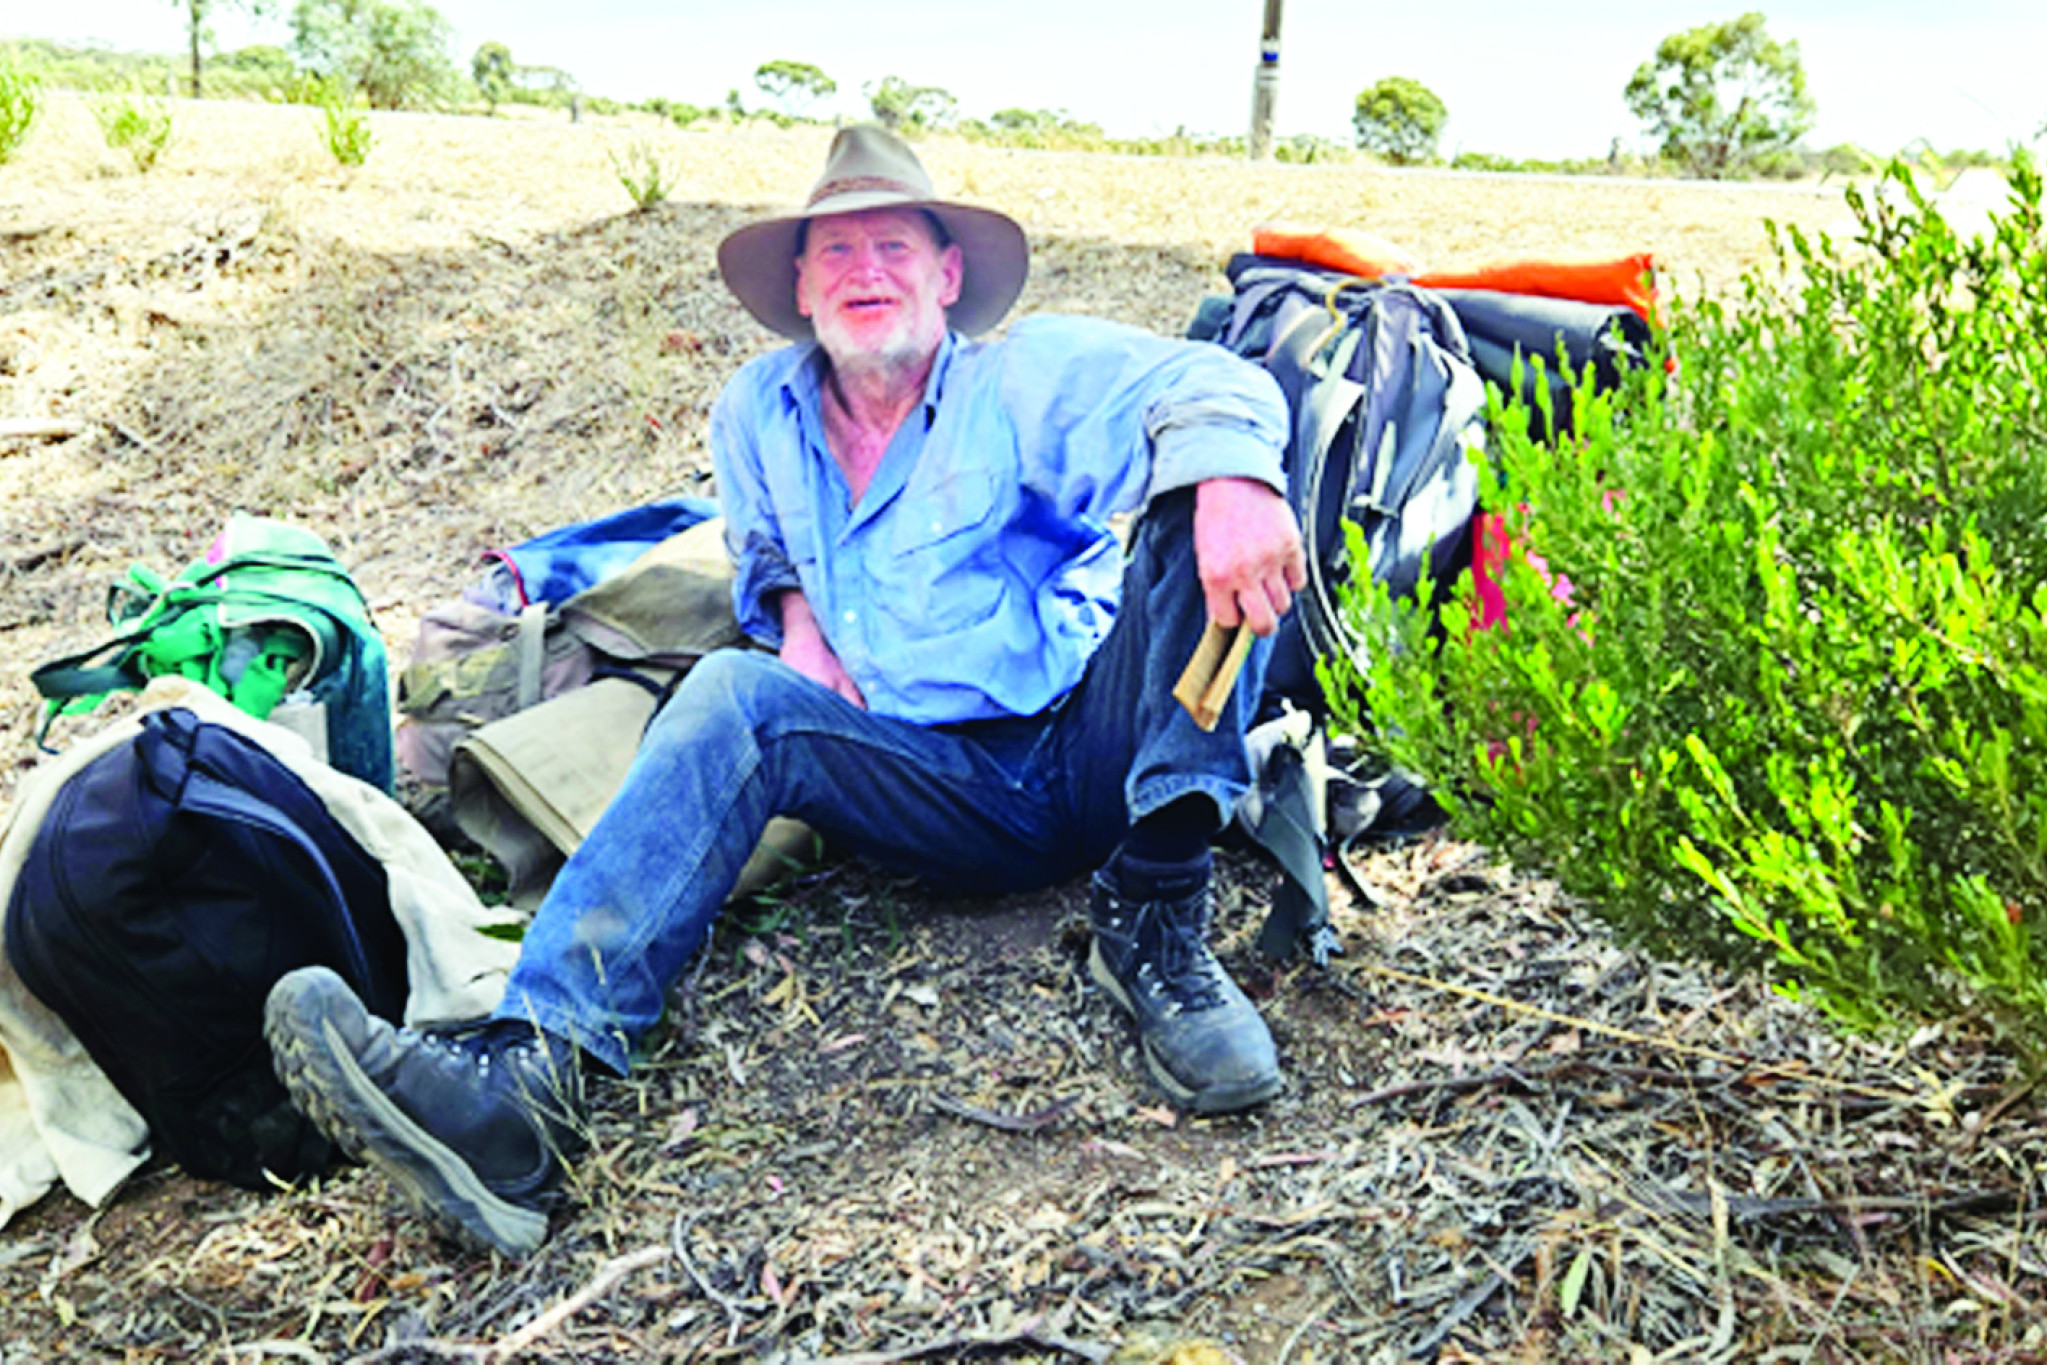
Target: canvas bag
point(529, 788)
point(643, 621)
point(529, 721)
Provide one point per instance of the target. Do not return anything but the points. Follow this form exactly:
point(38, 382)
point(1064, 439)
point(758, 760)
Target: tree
point(394, 51)
point(1723, 97)
point(492, 69)
point(269, 64)
point(899, 104)
point(195, 25)
point(1399, 119)
point(796, 86)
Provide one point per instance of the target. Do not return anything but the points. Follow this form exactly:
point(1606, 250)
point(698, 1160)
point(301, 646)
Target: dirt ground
point(884, 1125)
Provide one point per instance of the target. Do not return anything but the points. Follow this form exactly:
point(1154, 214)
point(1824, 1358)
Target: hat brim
point(759, 262)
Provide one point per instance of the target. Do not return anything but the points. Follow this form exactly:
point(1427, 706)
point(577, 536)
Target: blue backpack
point(174, 878)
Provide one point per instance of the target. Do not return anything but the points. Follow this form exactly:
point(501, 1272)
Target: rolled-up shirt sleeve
point(761, 562)
point(1120, 416)
point(1196, 439)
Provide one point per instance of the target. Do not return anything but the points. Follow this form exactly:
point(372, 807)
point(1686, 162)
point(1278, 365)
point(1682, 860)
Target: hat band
point(858, 184)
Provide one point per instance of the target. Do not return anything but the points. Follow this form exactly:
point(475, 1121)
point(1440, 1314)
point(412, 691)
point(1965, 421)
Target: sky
point(1521, 78)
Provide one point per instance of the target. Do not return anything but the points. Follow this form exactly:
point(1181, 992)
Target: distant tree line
point(1719, 100)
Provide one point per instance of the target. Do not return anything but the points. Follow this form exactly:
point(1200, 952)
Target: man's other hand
point(805, 649)
point(1247, 546)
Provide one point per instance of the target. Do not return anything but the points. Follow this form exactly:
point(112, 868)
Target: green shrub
point(642, 174)
point(1845, 158)
point(344, 125)
point(20, 97)
point(135, 124)
point(680, 113)
point(1793, 714)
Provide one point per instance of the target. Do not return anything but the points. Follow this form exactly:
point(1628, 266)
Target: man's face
point(876, 285)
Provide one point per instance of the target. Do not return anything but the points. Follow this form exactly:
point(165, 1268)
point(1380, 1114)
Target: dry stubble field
point(886, 1127)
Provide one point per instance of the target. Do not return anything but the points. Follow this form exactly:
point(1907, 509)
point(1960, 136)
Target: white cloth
point(60, 1118)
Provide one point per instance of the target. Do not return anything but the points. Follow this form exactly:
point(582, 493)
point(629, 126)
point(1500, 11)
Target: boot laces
point(546, 1079)
point(1173, 961)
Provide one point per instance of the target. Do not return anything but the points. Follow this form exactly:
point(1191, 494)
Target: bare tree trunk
point(195, 11)
point(1265, 83)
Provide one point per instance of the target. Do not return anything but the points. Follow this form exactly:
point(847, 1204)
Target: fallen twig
point(1494, 1281)
point(427, 1346)
point(35, 559)
point(958, 1343)
point(1477, 1081)
point(1314, 1316)
point(296, 1349)
point(735, 1312)
point(1792, 1070)
point(133, 437)
point(603, 1282)
point(1008, 1123)
point(39, 429)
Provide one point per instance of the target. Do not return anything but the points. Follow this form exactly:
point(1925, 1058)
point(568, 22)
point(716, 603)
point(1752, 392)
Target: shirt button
point(849, 617)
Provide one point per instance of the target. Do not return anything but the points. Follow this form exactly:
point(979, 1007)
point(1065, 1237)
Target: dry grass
point(893, 1125)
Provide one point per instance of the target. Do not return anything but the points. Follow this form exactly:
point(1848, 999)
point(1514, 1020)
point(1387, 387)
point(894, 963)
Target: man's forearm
point(805, 648)
point(799, 622)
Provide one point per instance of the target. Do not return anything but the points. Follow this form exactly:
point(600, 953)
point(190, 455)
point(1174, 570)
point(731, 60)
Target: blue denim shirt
point(978, 572)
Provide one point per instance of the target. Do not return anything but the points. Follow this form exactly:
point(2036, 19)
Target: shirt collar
point(804, 388)
point(934, 383)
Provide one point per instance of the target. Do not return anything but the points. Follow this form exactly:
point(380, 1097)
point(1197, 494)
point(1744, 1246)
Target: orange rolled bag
point(1629, 282)
point(1626, 281)
point(1345, 249)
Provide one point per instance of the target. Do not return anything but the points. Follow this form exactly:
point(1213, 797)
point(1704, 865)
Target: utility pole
point(1265, 84)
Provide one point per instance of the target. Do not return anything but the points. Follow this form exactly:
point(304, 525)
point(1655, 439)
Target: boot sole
point(1215, 1099)
point(323, 1078)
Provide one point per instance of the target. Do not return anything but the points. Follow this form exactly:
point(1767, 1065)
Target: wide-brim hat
point(869, 167)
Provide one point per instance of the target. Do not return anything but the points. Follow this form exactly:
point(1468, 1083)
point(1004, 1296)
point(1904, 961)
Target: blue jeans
point(997, 805)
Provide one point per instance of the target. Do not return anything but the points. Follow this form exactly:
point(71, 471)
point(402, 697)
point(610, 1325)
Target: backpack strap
point(208, 795)
point(1315, 377)
point(106, 667)
point(532, 651)
point(1285, 828)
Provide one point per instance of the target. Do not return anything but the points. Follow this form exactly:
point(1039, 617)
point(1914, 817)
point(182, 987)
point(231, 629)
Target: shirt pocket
point(939, 562)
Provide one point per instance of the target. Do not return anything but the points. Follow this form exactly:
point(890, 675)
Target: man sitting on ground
point(972, 680)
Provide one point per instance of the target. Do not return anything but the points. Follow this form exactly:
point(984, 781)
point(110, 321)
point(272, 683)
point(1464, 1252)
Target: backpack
point(618, 604)
point(1387, 414)
point(173, 879)
point(1386, 384)
point(266, 616)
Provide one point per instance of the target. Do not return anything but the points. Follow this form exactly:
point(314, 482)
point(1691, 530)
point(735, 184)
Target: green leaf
point(1574, 1281)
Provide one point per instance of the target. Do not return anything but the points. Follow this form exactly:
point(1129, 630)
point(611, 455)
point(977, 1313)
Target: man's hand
point(805, 649)
point(1247, 546)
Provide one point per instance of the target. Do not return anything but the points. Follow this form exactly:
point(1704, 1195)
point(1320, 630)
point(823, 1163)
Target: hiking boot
point(471, 1125)
point(1204, 1042)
